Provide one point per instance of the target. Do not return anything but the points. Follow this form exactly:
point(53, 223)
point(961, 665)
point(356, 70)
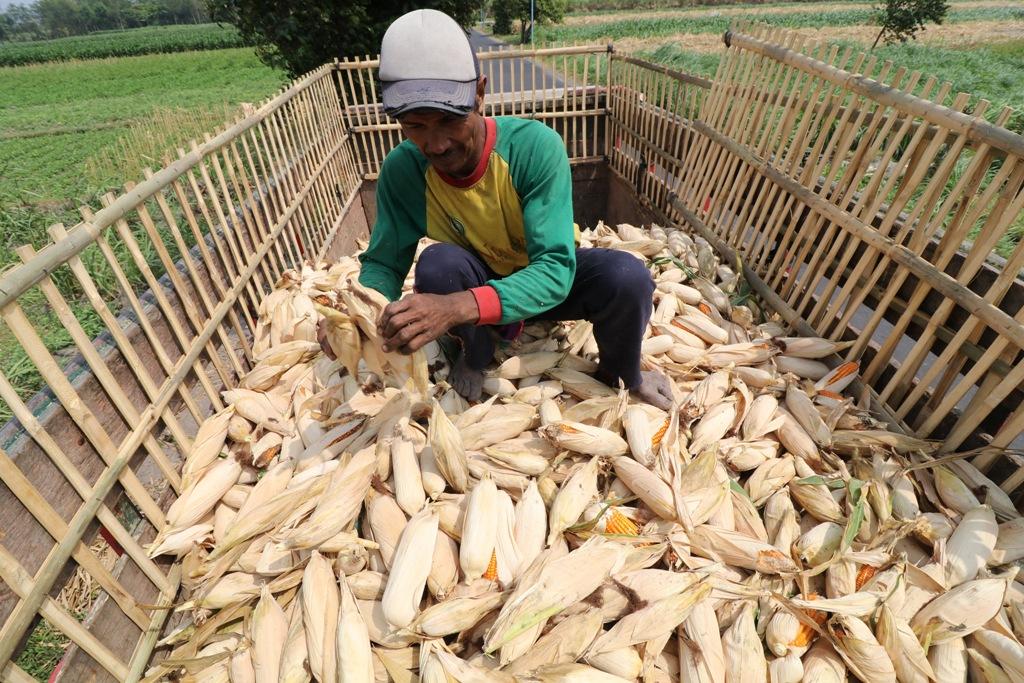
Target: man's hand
point(406, 325)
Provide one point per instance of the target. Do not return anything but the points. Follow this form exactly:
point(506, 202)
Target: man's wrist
point(464, 308)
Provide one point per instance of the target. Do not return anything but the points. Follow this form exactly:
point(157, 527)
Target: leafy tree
point(300, 36)
point(901, 20)
point(506, 12)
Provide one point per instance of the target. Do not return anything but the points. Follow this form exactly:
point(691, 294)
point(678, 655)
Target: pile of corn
point(353, 519)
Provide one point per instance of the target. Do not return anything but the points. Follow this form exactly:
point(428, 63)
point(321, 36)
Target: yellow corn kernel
point(619, 523)
point(660, 434)
point(864, 575)
point(492, 567)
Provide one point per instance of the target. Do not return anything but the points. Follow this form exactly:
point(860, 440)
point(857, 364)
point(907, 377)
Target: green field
point(712, 22)
point(54, 116)
point(58, 118)
point(139, 41)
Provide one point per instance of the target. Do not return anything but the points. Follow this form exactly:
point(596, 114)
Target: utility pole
point(532, 22)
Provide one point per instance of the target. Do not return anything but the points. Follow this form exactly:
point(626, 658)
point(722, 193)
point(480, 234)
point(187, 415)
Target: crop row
point(712, 23)
point(139, 41)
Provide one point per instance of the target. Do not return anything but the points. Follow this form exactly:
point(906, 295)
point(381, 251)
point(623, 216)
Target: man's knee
point(625, 277)
point(440, 269)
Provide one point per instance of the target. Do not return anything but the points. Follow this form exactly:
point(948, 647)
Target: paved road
point(517, 73)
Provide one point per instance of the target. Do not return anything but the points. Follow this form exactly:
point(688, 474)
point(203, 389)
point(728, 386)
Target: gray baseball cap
point(426, 62)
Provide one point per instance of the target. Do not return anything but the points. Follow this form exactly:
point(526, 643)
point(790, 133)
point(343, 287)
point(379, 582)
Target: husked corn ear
point(409, 570)
point(408, 479)
point(959, 612)
point(456, 614)
point(446, 444)
point(320, 601)
point(580, 385)
point(788, 669)
point(531, 525)
point(549, 412)
point(506, 552)
point(269, 635)
point(293, 667)
point(208, 444)
point(529, 364)
point(228, 590)
point(366, 585)
point(819, 544)
point(624, 662)
point(739, 550)
point(839, 378)
point(444, 566)
point(1006, 650)
point(582, 438)
point(744, 658)
point(810, 347)
point(953, 491)
point(339, 504)
point(971, 544)
point(571, 673)
point(386, 521)
point(563, 644)
point(501, 424)
point(801, 367)
point(430, 475)
point(352, 641)
point(653, 621)
point(717, 421)
point(617, 523)
point(648, 486)
point(179, 542)
point(857, 645)
point(823, 663)
point(198, 500)
point(949, 661)
point(909, 659)
point(479, 529)
point(786, 634)
point(572, 499)
point(559, 583)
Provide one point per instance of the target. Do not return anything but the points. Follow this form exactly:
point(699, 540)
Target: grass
point(53, 117)
point(651, 27)
point(70, 131)
point(132, 42)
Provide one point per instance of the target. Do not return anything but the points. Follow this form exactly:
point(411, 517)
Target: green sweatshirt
point(514, 212)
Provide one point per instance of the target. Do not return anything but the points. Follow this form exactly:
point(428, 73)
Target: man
point(497, 194)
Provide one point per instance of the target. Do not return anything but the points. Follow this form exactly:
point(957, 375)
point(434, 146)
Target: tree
point(506, 12)
point(901, 20)
point(300, 36)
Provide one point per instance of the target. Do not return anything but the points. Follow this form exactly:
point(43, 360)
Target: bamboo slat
point(839, 184)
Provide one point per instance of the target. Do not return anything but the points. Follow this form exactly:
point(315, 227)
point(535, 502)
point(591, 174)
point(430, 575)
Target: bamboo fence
point(845, 189)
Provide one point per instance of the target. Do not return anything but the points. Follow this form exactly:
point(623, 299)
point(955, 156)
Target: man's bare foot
point(654, 389)
point(469, 383)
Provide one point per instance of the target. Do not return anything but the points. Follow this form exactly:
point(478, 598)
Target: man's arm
point(544, 181)
point(400, 223)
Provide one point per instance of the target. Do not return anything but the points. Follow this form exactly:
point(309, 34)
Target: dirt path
point(796, 8)
point(947, 35)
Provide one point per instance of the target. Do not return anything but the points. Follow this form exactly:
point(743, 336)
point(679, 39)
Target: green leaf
point(818, 480)
point(734, 485)
point(855, 487)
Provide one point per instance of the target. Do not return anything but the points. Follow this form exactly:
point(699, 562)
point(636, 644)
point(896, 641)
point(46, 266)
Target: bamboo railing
point(845, 188)
point(849, 190)
point(207, 236)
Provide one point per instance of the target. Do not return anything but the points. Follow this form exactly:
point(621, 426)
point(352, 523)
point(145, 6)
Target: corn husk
point(320, 602)
point(409, 571)
point(959, 612)
point(744, 658)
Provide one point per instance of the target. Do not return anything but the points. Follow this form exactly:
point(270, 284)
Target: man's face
point(449, 141)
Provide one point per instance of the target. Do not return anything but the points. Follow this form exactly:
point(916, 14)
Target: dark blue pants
point(612, 290)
